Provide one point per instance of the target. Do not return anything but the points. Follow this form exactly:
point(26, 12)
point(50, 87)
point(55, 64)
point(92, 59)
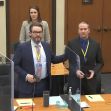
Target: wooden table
point(58, 77)
point(99, 106)
point(39, 106)
point(58, 69)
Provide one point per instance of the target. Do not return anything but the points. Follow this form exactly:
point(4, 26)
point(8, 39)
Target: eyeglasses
point(37, 32)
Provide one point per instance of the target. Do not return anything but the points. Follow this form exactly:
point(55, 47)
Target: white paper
point(25, 102)
point(15, 107)
point(94, 98)
point(55, 99)
point(76, 97)
point(83, 104)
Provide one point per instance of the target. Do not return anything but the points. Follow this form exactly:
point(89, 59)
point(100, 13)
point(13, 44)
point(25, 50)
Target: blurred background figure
point(34, 16)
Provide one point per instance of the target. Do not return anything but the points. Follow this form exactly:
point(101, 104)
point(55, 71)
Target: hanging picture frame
point(87, 1)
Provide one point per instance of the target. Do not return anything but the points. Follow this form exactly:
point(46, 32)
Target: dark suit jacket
point(23, 63)
point(94, 59)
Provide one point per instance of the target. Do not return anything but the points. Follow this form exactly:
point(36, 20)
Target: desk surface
point(94, 106)
point(58, 69)
point(99, 106)
point(39, 106)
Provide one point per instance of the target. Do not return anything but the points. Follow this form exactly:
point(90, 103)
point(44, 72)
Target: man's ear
point(30, 34)
point(89, 30)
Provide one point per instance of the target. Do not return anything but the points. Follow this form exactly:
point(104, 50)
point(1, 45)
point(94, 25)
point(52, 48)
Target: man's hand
point(80, 74)
point(91, 74)
point(30, 78)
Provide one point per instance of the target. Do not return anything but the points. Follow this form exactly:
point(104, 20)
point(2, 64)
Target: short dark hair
point(35, 24)
point(84, 22)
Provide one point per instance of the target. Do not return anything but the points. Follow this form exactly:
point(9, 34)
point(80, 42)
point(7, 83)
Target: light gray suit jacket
point(24, 32)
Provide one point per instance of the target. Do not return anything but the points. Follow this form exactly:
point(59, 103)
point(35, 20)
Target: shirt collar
point(83, 41)
point(34, 44)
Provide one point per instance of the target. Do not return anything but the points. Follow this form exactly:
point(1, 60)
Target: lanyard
point(37, 52)
point(85, 52)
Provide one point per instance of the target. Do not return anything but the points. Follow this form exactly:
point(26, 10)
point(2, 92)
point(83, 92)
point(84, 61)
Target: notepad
point(94, 98)
point(25, 102)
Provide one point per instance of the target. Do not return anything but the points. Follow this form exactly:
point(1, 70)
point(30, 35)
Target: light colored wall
point(3, 28)
point(60, 6)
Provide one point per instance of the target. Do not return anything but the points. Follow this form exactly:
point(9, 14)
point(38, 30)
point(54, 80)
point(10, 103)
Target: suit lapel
point(78, 47)
point(29, 52)
point(45, 50)
point(90, 49)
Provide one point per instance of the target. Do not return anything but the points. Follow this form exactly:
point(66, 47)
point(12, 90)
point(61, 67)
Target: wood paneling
point(98, 15)
point(17, 11)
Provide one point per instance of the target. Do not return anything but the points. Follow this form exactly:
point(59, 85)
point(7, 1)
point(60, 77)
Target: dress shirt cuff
point(26, 78)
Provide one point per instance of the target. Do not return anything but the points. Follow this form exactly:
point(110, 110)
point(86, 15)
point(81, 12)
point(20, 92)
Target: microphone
point(77, 56)
point(36, 78)
point(84, 69)
point(33, 93)
point(33, 96)
point(78, 63)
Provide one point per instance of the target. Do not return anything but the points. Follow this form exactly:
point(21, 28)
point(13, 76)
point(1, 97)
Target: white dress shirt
point(43, 59)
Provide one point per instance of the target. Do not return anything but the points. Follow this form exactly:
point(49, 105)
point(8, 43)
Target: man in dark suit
point(86, 77)
point(34, 68)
